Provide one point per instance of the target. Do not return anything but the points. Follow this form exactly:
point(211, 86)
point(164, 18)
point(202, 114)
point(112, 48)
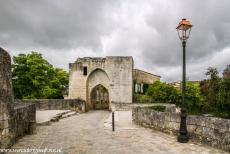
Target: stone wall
point(56, 104)
point(207, 130)
point(6, 99)
point(15, 120)
point(117, 106)
point(24, 119)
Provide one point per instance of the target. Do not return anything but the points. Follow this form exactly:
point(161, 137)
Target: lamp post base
point(182, 138)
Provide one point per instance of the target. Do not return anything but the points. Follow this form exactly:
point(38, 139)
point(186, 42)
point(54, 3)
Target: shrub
point(163, 93)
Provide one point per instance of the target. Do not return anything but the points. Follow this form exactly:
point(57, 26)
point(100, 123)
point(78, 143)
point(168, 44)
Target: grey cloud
point(141, 28)
point(209, 34)
point(55, 24)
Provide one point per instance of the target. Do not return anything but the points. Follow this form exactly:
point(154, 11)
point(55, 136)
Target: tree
point(35, 77)
point(213, 83)
point(226, 72)
point(225, 95)
point(216, 91)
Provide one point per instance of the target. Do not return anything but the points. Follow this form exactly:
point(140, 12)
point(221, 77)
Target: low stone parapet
point(118, 106)
point(207, 130)
point(56, 104)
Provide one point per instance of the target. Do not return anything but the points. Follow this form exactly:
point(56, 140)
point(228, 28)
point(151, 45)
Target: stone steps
point(57, 117)
point(69, 114)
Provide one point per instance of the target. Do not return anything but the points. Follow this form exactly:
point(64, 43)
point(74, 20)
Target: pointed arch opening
point(98, 90)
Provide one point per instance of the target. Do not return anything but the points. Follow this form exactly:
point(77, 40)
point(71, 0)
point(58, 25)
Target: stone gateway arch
point(103, 82)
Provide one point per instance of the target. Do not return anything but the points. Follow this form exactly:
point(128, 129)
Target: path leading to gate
point(90, 133)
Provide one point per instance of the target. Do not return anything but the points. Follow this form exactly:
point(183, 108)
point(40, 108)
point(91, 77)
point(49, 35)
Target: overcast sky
point(63, 30)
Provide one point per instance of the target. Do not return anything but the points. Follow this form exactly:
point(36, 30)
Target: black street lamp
point(183, 30)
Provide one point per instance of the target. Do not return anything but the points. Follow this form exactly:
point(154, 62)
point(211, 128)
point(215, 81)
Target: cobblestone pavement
point(86, 134)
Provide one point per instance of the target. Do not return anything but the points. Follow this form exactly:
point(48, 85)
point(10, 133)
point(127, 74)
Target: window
point(139, 88)
point(84, 70)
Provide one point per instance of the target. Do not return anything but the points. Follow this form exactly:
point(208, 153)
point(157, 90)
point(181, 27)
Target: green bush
point(163, 93)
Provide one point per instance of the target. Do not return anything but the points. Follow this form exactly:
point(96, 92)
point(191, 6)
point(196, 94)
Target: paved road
point(88, 134)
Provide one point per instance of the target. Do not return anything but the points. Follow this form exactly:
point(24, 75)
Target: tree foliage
point(34, 77)
point(216, 90)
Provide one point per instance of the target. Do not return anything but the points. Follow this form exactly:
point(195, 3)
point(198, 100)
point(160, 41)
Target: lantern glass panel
point(183, 29)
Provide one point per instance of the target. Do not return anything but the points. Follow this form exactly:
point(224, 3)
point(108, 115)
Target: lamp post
point(183, 30)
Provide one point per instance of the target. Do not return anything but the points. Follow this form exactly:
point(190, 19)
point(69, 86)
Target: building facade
point(142, 79)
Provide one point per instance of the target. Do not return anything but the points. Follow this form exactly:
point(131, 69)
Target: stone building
point(102, 81)
point(142, 78)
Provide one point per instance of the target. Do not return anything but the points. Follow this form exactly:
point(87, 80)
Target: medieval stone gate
point(101, 81)
point(114, 74)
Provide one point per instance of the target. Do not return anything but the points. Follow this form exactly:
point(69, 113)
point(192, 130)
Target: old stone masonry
point(103, 81)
